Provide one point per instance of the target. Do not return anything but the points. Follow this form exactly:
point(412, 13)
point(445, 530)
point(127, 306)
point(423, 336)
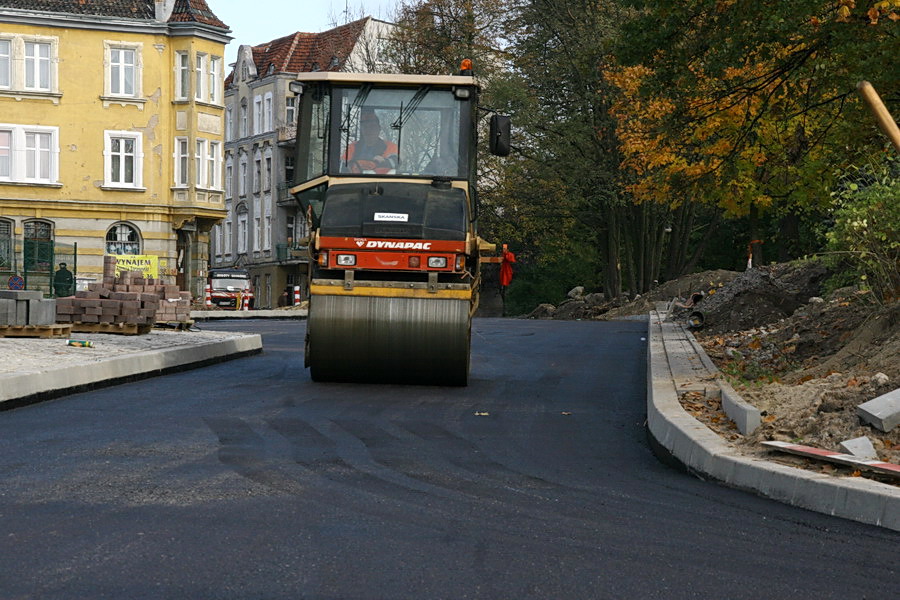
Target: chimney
point(164, 10)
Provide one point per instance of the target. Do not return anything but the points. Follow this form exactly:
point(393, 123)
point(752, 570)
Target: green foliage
point(866, 231)
point(548, 279)
point(748, 373)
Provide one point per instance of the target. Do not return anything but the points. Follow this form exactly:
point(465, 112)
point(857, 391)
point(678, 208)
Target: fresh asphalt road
point(247, 480)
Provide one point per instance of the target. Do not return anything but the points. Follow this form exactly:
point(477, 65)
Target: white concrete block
point(860, 447)
point(745, 415)
point(883, 412)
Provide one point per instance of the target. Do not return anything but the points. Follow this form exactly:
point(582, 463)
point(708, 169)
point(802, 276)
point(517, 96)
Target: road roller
point(385, 171)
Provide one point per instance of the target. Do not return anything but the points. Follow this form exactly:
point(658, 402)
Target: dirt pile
point(759, 296)
point(580, 305)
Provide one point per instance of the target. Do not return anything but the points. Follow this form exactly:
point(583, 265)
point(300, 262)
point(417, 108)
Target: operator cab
point(397, 131)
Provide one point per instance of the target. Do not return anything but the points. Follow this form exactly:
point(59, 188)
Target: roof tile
point(302, 52)
point(190, 11)
point(132, 9)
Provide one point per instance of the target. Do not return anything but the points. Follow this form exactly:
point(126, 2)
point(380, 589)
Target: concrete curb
point(30, 387)
point(209, 315)
point(680, 437)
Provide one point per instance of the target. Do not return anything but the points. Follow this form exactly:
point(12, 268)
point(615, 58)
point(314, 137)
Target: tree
point(750, 106)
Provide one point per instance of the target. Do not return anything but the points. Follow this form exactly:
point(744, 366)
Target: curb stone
point(679, 437)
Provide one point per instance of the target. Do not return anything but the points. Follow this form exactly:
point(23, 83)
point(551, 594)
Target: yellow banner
point(146, 264)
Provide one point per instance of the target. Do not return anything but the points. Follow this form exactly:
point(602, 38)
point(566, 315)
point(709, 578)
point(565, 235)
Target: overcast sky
point(257, 22)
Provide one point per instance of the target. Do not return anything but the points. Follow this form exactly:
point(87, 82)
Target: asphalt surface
point(247, 480)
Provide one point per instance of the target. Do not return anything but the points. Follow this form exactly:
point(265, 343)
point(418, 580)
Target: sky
point(257, 22)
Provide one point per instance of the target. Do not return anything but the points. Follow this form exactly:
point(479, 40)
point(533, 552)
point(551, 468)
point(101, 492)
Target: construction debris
point(883, 412)
point(876, 466)
point(860, 447)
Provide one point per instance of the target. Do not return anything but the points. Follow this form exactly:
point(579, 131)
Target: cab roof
point(391, 79)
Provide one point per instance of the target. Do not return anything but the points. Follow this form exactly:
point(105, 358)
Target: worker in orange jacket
point(370, 153)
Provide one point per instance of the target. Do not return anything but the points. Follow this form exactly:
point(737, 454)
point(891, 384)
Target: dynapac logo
point(397, 245)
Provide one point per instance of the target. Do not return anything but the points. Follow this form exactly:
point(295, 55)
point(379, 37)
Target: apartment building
point(111, 135)
point(264, 230)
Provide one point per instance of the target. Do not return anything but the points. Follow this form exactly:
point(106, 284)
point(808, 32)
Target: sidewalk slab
point(114, 359)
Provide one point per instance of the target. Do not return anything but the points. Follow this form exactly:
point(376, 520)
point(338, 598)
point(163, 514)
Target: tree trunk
point(613, 284)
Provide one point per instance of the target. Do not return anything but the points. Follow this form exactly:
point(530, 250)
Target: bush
point(866, 231)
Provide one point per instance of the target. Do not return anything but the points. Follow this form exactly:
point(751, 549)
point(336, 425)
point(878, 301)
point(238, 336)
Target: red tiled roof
point(132, 9)
point(191, 11)
point(301, 52)
point(195, 11)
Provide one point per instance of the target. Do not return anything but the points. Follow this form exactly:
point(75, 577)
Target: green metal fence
point(43, 265)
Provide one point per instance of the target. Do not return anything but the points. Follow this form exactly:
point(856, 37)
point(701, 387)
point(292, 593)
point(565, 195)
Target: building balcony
point(293, 252)
point(287, 133)
point(283, 196)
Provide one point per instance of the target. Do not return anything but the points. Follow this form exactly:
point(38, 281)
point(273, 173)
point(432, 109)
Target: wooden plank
point(177, 325)
point(875, 466)
point(58, 330)
point(117, 328)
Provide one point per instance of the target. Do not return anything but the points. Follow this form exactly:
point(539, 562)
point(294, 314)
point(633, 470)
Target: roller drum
point(389, 339)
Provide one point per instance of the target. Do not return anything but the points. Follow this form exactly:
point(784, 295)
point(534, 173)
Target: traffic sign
point(16, 282)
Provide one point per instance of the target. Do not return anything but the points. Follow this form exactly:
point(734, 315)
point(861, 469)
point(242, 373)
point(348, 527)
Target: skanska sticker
point(391, 217)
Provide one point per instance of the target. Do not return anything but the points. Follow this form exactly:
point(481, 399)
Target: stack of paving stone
point(127, 299)
point(26, 307)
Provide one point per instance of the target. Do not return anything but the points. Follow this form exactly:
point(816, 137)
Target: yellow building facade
point(111, 137)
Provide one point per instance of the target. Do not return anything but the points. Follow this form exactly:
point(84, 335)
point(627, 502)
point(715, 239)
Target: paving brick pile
point(129, 298)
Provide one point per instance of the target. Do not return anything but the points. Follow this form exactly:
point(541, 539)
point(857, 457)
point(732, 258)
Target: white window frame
point(19, 67)
point(123, 69)
point(290, 107)
point(138, 157)
point(37, 66)
point(245, 130)
point(109, 48)
point(6, 65)
point(268, 117)
point(257, 115)
point(229, 176)
point(267, 226)
point(257, 172)
point(242, 176)
point(200, 81)
point(119, 246)
point(215, 79)
point(200, 162)
point(23, 153)
point(218, 239)
point(267, 170)
point(182, 162)
point(182, 75)
point(214, 165)
point(242, 232)
point(228, 236)
point(6, 148)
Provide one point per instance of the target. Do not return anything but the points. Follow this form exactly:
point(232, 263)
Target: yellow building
point(111, 136)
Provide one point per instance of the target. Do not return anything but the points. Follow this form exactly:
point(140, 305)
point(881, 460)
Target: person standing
point(63, 281)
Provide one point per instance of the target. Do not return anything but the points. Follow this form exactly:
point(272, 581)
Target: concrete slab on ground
point(34, 369)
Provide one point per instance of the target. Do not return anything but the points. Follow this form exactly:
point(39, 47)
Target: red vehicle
point(229, 288)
